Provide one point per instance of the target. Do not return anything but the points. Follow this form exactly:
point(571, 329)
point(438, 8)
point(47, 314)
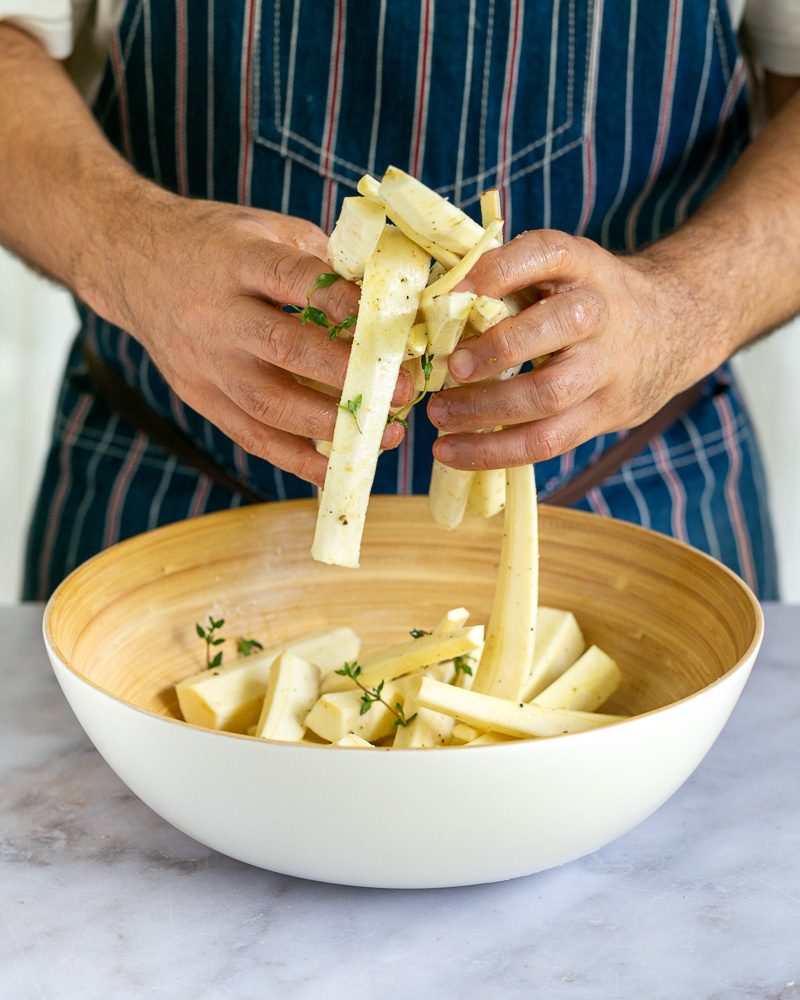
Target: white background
point(37, 323)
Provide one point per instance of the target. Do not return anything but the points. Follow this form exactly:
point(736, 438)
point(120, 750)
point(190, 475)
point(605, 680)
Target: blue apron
point(608, 118)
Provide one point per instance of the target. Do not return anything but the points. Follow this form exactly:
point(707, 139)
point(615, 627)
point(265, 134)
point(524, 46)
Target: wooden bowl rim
point(550, 513)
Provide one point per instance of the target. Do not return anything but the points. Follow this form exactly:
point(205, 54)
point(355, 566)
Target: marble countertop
point(102, 899)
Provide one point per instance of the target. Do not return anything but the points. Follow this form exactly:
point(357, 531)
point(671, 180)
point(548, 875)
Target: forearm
point(738, 258)
point(69, 204)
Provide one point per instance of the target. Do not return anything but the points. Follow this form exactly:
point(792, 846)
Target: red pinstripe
point(423, 80)
point(200, 497)
point(597, 502)
point(405, 457)
point(664, 115)
point(119, 492)
point(74, 426)
point(509, 91)
point(734, 452)
point(245, 125)
point(180, 95)
point(675, 486)
point(734, 89)
point(332, 112)
point(589, 151)
point(122, 93)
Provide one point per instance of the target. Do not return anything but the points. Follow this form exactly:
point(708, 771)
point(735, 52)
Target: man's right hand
point(205, 301)
point(199, 284)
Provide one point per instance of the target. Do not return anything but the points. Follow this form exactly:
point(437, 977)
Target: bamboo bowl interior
point(674, 619)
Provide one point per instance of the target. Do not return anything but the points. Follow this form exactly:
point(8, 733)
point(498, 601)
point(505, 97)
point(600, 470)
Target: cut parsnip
point(490, 207)
point(457, 273)
point(231, 697)
point(487, 312)
point(513, 718)
point(490, 739)
point(428, 729)
point(417, 343)
point(462, 733)
point(453, 619)
point(355, 237)
point(323, 447)
point(428, 213)
point(393, 281)
point(388, 664)
point(505, 665)
point(586, 685)
point(338, 713)
point(292, 689)
point(487, 495)
point(445, 317)
point(559, 643)
point(370, 188)
point(351, 740)
point(448, 494)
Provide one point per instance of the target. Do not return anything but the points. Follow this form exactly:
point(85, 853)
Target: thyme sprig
point(352, 406)
point(426, 360)
point(370, 696)
point(462, 664)
point(210, 637)
point(317, 316)
point(247, 647)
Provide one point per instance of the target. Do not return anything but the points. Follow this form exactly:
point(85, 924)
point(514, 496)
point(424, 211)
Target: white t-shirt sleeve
point(52, 22)
point(774, 28)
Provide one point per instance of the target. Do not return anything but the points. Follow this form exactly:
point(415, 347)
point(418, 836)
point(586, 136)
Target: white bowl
point(119, 632)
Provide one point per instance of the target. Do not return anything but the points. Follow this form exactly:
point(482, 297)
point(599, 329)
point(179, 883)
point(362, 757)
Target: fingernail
point(445, 452)
point(436, 409)
point(462, 364)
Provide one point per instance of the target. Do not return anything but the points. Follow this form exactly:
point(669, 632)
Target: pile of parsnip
point(529, 672)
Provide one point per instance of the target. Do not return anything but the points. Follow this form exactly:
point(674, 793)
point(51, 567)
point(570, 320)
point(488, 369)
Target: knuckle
point(284, 277)
point(545, 442)
point(276, 346)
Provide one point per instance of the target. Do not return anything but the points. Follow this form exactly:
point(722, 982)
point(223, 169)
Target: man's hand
point(619, 338)
point(199, 284)
point(205, 301)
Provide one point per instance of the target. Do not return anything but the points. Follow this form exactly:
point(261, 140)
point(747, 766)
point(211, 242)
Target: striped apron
point(607, 118)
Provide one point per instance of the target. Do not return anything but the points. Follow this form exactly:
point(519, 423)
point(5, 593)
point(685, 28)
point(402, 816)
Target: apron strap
point(128, 404)
point(612, 460)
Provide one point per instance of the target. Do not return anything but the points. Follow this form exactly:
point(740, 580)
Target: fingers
point(277, 400)
point(285, 276)
point(556, 386)
point(531, 442)
point(280, 339)
point(539, 257)
point(549, 325)
point(289, 452)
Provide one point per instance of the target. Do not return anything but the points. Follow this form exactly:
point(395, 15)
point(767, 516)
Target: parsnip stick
point(490, 207)
point(428, 213)
point(456, 274)
point(487, 495)
point(510, 639)
point(417, 343)
point(445, 318)
point(355, 237)
point(393, 281)
point(338, 713)
point(455, 618)
point(351, 740)
point(559, 643)
point(370, 188)
point(462, 733)
point(490, 739)
point(513, 718)
point(588, 683)
point(231, 697)
point(428, 729)
point(388, 664)
point(292, 689)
